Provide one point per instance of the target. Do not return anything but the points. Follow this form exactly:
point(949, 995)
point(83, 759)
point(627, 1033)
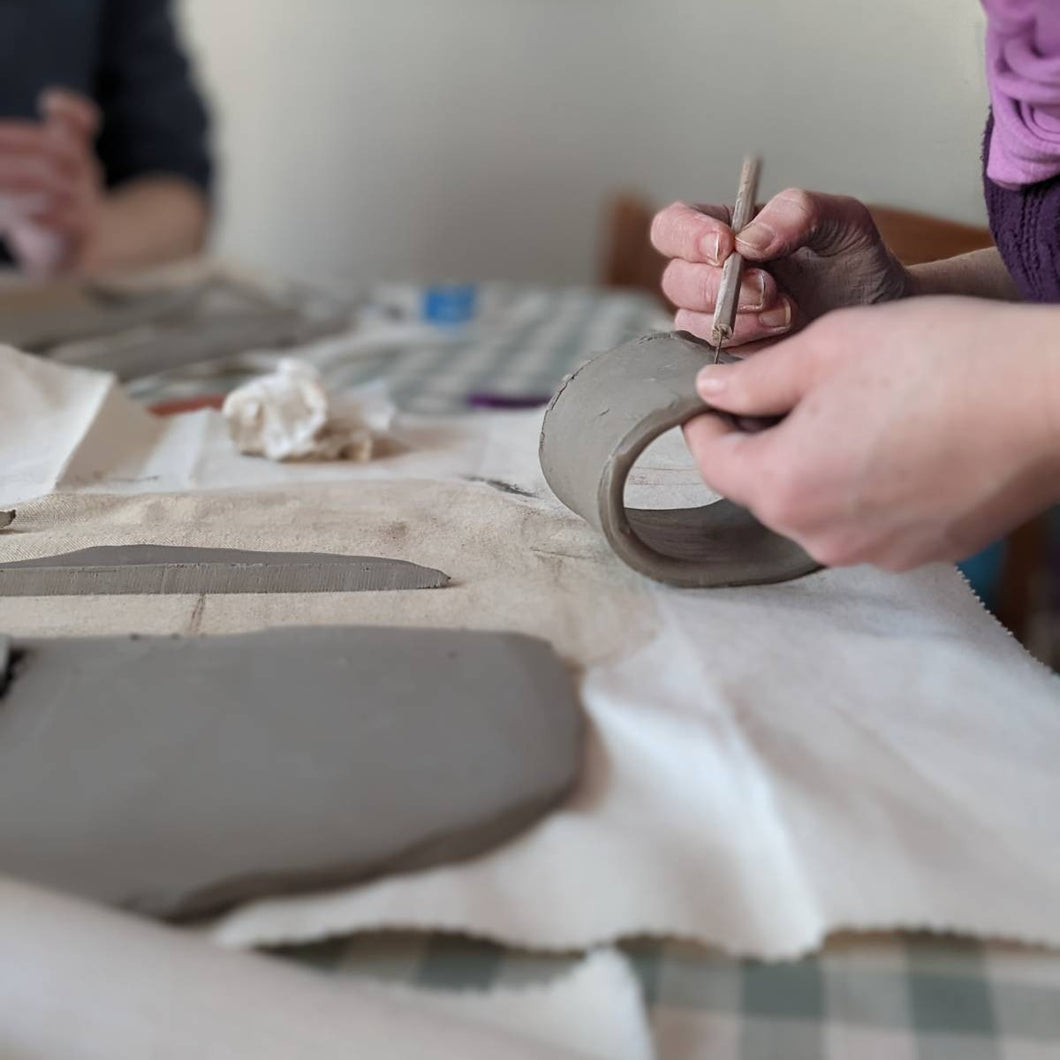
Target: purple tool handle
point(482, 399)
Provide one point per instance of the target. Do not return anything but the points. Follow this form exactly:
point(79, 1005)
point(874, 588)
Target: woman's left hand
point(914, 432)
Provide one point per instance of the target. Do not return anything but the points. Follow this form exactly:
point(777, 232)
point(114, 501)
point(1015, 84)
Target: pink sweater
point(1023, 72)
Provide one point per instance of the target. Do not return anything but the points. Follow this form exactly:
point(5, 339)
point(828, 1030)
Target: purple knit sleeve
point(1025, 224)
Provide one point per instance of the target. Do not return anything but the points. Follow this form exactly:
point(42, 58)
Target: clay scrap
point(162, 569)
point(198, 773)
point(604, 416)
point(6, 519)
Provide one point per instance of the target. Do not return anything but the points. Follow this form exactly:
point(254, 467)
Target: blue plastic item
point(449, 304)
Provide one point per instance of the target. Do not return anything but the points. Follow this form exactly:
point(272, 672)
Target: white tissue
point(289, 415)
point(38, 251)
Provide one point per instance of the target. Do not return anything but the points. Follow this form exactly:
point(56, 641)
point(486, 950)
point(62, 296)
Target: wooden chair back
point(915, 238)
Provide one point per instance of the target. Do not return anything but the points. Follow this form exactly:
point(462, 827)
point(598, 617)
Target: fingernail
point(759, 281)
point(710, 380)
point(777, 317)
point(711, 245)
point(756, 237)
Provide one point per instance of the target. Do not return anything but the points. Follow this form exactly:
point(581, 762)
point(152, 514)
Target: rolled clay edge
point(611, 514)
point(632, 549)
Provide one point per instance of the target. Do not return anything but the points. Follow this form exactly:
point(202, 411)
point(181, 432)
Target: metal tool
point(732, 270)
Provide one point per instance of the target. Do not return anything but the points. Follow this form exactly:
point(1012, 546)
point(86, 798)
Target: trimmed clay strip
point(163, 569)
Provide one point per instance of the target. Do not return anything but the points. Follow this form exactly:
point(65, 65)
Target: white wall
point(415, 138)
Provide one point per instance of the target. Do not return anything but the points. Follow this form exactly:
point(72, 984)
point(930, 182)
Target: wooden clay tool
point(732, 271)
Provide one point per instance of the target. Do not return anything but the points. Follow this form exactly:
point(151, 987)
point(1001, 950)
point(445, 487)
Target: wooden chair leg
point(1024, 566)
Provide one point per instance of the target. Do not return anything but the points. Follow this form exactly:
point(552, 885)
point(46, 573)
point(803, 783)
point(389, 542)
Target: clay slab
point(165, 569)
point(179, 776)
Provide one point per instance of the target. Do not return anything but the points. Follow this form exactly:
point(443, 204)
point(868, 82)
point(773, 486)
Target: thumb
point(827, 224)
point(728, 459)
point(73, 112)
point(770, 383)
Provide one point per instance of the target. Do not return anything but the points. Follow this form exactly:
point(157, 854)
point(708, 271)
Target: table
point(862, 998)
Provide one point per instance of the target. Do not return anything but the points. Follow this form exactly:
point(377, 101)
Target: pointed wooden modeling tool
point(732, 271)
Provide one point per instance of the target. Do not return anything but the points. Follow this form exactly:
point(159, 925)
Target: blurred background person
point(104, 161)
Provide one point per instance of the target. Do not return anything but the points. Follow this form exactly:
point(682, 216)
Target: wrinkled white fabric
point(38, 251)
point(82, 983)
point(68, 429)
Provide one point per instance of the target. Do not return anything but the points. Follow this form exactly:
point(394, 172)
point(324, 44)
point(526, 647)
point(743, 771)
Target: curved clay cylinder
point(604, 416)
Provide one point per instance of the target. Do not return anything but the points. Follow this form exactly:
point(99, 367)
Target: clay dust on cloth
point(852, 750)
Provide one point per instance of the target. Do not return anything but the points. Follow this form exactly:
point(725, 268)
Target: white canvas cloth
point(766, 765)
point(82, 983)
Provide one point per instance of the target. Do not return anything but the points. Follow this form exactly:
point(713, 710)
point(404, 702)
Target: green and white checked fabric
point(876, 998)
point(913, 997)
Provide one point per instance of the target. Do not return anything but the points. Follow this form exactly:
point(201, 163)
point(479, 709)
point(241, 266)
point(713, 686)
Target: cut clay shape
point(111, 570)
point(604, 416)
point(177, 777)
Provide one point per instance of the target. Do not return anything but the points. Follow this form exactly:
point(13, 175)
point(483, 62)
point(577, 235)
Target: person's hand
point(817, 253)
point(914, 432)
point(51, 166)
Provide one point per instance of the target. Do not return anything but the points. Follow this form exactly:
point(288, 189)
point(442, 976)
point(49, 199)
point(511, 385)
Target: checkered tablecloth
point(908, 997)
point(525, 341)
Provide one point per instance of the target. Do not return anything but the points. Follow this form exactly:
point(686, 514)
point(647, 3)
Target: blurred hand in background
point(104, 154)
point(53, 183)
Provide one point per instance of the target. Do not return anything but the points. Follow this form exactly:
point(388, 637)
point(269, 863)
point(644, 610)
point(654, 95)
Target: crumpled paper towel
point(289, 415)
point(65, 430)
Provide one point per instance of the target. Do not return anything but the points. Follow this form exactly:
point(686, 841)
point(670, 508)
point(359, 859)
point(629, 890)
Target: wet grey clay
point(604, 416)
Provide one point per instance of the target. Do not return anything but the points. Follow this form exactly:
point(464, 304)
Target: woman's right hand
point(813, 253)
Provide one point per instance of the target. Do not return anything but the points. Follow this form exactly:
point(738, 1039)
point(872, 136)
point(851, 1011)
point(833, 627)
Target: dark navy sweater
point(124, 54)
